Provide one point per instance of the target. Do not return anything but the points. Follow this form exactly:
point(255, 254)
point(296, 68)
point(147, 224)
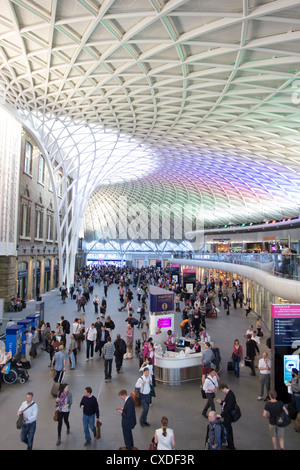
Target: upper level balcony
point(277, 264)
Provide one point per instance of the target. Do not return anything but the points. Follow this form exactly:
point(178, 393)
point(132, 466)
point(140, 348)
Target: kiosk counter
point(174, 368)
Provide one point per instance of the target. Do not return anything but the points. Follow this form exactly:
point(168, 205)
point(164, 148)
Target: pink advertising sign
point(164, 322)
point(285, 311)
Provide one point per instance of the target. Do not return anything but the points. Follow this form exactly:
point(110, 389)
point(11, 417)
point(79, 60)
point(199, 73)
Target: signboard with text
point(161, 300)
point(286, 319)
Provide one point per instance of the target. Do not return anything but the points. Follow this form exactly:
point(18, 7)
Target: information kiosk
point(161, 313)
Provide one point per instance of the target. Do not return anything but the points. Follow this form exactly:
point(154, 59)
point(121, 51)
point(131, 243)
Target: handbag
point(98, 429)
point(20, 420)
point(153, 446)
point(234, 357)
point(283, 419)
point(55, 417)
point(152, 391)
point(235, 413)
point(203, 393)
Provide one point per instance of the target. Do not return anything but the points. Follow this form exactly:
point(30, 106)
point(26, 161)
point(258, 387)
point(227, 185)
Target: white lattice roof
point(164, 102)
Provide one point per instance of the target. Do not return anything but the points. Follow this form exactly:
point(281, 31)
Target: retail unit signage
point(286, 324)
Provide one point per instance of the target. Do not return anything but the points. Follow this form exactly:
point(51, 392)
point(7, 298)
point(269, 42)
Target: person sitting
point(191, 334)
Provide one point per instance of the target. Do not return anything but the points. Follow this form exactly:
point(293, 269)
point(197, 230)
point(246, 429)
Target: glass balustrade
point(278, 264)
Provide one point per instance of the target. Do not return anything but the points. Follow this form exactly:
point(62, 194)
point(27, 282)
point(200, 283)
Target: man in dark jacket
point(120, 350)
point(251, 348)
point(228, 405)
point(102, 338)
point(128, 418)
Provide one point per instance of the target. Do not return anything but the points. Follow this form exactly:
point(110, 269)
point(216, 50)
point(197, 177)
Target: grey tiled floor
point(182, 404)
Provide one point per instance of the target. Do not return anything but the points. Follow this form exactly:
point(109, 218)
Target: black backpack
point(66, 326)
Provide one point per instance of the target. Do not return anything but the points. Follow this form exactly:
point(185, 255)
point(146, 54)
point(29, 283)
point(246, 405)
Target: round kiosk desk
point(174, 368)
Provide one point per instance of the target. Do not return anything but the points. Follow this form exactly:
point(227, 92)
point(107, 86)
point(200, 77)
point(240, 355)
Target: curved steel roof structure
point(163, 103)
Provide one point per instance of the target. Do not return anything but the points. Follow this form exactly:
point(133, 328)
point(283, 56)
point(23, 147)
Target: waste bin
point(13, 340)
point(40, 309)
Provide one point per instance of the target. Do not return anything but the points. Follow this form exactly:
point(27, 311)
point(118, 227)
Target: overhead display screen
point(286, 324)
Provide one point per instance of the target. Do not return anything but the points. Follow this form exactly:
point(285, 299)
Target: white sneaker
point(260, 398)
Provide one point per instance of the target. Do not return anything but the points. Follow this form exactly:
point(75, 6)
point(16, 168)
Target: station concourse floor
point(181, 404)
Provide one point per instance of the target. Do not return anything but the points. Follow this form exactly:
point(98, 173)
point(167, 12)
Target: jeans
point(236, 366)
point(145, 400)
point(107, 368)
point(210, 403)
point(89, 348)
point(88, 423)
point(27, 434)
point(72, 359)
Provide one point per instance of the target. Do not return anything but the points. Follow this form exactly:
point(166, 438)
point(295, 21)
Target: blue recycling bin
point(27, 324)
point(14, 335)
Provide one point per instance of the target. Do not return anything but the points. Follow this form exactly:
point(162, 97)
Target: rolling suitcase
point(55, 386)
point(230, 366)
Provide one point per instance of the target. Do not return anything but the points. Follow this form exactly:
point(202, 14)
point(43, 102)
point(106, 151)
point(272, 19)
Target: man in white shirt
point(210, 387)
point(90, 337)
point(264, 366)
point(143, 383)
point(30, 411)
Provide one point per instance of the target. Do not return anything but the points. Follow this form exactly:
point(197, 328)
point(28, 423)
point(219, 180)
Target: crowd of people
point(65, 341)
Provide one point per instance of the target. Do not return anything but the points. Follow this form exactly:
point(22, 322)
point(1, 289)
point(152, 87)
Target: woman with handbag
point(63, 403)
point(237, 357)
point(164, 436)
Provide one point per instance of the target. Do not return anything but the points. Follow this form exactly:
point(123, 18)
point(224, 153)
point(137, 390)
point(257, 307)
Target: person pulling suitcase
point(59, 365)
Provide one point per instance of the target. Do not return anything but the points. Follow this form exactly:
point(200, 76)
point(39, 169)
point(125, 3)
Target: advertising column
point(285, 343)
point(189, 280)
point(161, 313)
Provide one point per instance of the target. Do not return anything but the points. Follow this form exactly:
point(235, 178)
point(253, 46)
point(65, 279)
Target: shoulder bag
point(20, 420)
point(283, 419)
point(235, 414)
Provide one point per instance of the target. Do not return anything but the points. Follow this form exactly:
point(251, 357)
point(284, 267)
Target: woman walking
point(237, 357)
point(63, 403)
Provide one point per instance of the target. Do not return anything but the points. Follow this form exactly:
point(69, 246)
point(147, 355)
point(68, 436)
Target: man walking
point(59, 363)
point(90, 407)
point(108, 354)
point(120, 350)
point(264, 366)
point(90, 337)
point(251, 348)
point(210, 387)
point(29, 409)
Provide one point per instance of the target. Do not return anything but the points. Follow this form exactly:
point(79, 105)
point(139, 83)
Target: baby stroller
point(13, 373)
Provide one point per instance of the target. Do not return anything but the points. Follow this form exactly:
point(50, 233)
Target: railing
point(278, 264)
